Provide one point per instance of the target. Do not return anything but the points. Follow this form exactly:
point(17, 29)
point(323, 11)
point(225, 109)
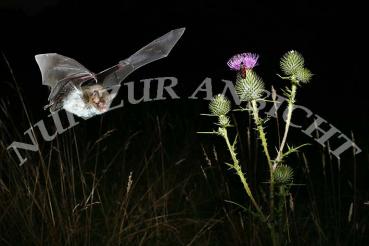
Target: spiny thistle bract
point(249, 88)
point(224, 121)
point(283, 174)
point(291, 62)
point(219, 105)
point(303, 75)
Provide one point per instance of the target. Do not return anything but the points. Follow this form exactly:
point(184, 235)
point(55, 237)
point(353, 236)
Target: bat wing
point(157, 49)
point(58, 70)
point(55, 67)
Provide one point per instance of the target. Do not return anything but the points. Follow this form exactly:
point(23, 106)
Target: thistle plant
point(220, 106)
point(249, 87)
point(283, 178)
point(292, 65)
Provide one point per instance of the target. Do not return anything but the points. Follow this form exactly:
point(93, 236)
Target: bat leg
point(48, 105)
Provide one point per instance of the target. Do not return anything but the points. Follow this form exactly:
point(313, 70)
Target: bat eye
point(95, 93)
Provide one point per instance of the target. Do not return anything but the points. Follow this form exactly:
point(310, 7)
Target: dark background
point(99, 34)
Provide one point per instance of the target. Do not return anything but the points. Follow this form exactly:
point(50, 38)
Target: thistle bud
point(219, 105)
point(291, 62)
point(303, 75)
point(283, 174)
point(250, 87)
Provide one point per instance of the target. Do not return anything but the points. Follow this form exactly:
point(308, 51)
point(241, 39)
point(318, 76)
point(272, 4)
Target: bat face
point(67, 78)
point(87, 102)
point(98, 97)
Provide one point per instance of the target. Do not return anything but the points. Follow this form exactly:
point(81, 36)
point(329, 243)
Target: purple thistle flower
point(243, 61)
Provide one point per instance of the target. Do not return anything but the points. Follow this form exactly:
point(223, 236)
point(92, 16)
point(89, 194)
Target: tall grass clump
point(120, 179)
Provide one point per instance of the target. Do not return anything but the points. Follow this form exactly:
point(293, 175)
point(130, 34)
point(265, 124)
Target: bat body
point(85, 94)
point(88, 101)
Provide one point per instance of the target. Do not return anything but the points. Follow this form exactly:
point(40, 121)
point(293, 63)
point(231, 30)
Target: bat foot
point(48, 106)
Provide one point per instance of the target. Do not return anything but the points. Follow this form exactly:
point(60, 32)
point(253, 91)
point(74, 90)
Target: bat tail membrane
point(157, 49)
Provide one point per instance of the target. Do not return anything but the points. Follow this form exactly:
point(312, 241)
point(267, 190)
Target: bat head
point(98, 97)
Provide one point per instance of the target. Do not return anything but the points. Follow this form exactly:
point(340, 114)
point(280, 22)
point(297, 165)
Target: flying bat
point(86, 94)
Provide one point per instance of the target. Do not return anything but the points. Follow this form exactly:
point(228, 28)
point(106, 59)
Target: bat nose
point(102, 106)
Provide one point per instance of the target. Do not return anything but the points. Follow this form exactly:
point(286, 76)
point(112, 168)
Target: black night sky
point(330, 36)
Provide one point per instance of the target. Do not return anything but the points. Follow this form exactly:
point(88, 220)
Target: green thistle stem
point(223, 132)
point(259, 125)
point(291, 102)
point(260, 129)
point(236, 166)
